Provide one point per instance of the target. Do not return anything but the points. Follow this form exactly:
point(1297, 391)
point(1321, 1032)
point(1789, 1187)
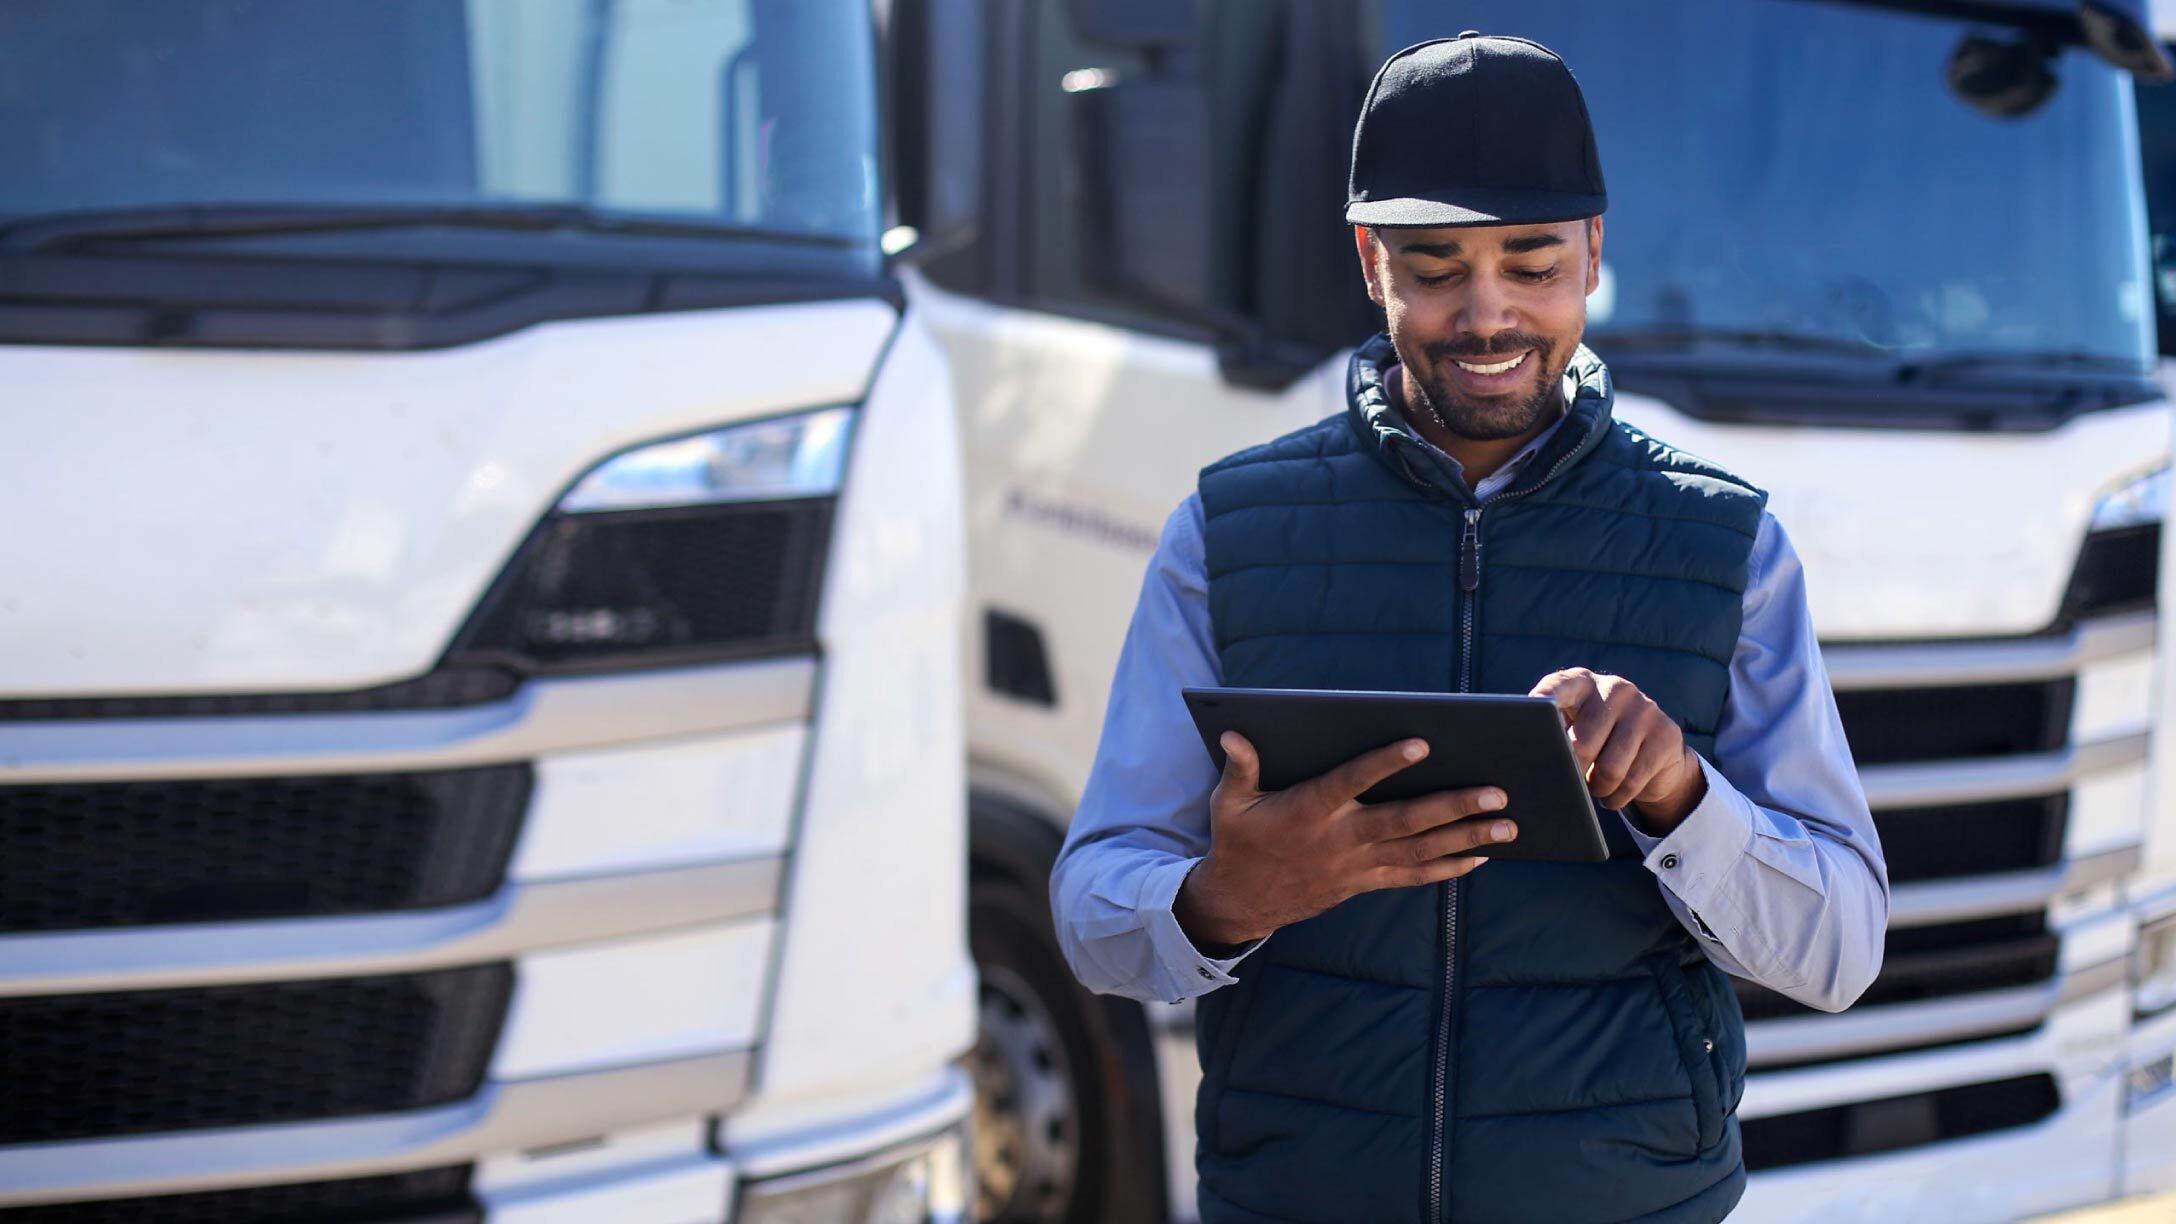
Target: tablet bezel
point(1515, 743)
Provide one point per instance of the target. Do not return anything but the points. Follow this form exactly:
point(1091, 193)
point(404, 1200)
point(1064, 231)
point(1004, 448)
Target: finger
point(1345, 783)
point(1569, 689)
point(1431, 873)
point(1616, 762)
point(1662, 745)
point(1382, 822)
point(1597, 720)
point(1460, 837)
point(1242, 767)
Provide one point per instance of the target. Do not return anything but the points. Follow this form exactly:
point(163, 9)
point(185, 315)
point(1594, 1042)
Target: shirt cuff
point(1191, 971)
point(1699, 856)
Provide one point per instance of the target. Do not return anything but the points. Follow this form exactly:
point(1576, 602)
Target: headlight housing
point(923, 1183)
point(2119, 566)
point(687, 550)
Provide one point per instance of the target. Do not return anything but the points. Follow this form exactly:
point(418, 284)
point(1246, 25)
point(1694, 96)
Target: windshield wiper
point(1680, 338)
point(51, 231)
point(1937, 365)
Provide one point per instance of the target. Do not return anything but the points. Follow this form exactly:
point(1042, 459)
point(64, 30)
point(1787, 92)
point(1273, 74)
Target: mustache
point(1502, 344)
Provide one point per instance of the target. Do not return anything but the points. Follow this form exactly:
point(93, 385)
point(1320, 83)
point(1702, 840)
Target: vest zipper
point(1469, 589)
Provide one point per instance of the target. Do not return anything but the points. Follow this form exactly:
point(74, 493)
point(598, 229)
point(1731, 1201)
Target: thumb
point(1242, 768)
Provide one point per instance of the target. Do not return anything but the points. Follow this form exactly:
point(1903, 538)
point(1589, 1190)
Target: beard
point(1490, 418)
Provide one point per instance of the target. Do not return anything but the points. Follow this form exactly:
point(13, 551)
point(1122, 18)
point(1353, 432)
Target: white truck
point(1887, 261)
point(479, 720)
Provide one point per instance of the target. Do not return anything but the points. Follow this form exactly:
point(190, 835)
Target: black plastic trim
point(156, 301)
point(1799, 396)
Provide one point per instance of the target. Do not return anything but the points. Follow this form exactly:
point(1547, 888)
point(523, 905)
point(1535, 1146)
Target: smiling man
point(1391, 1029)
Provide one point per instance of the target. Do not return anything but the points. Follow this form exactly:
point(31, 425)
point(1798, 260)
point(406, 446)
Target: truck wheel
point(1042, 1142)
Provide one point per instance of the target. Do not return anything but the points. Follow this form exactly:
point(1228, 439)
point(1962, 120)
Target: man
point(1388, 1032)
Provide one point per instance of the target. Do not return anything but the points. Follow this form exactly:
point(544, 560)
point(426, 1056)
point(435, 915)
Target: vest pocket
point(1695, 1046)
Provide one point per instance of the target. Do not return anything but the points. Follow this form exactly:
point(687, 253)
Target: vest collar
point(1368, 410)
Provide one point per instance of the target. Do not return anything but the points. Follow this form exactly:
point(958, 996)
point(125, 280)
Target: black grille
point(132, 1062)
point(1894, 1123)
point(658, 587)
point(1955, 723)
point(444, 688)
point(144, 853)
point(426, 1196)
point(2117, 571)
point(1938, 843)
point(1934, 962)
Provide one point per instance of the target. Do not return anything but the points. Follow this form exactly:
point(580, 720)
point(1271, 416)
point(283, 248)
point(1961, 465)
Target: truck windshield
point(1798, 177)
point(755, 118)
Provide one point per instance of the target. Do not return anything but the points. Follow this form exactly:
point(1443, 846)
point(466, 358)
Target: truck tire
point(1050, 1075)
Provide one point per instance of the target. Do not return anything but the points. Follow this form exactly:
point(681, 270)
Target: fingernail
point(1503, 830)
point(1415, 749)
point(1492, 800)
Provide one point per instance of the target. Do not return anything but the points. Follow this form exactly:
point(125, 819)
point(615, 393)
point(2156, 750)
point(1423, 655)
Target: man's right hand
point(1278, 857)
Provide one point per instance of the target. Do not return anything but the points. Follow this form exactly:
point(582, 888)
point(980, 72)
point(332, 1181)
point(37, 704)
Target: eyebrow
point(1514, 246)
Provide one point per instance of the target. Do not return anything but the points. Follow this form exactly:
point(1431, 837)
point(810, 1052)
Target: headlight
point(2153, 968)
point(2141, 500)
point(682, 551)
point(2120, 564)
point(923, 1184)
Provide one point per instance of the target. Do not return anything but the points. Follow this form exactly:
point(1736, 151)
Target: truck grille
point(133, 1062)
point(426, 1196)
point(1969, 722)
point(1933, 962)
point(2009, 835)
point(1862, 1128)
point(75, 857)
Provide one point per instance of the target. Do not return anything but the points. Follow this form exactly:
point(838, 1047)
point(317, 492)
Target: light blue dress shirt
point(1777, 872)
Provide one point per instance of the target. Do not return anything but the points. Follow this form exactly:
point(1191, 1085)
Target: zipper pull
point(1469, 553)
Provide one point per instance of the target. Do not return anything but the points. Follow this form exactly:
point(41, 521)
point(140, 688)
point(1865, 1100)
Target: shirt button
point(1669, 861)
point(1205, 973)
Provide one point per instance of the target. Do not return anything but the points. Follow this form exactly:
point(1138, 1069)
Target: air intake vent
point(1934, 962)
point(1887, 726)
point(133, 1062)
point(143, 853)
point(1940, 843)
point(1895, 1123)
point(426, 1196)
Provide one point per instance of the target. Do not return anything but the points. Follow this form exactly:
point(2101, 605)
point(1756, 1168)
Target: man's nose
point(1487, 311)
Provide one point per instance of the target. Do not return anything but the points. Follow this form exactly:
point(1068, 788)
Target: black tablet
point(1516, 744)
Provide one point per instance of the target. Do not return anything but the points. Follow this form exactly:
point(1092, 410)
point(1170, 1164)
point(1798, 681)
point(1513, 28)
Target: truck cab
point(1886, 261)
point(470, 470)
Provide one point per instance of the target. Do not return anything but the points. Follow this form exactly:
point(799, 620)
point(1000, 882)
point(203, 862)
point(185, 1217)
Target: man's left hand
point(1634, 754)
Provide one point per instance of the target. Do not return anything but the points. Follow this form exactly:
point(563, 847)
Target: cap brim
point(1478, 207)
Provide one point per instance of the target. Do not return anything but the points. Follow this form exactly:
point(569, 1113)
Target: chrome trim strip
point(1967, 897)
point(1932, 664)
point(933, 1107)
point(1938, 783)
point(518, 1115)
point(545, 716)
point(1909, 1026)
point(520, 918)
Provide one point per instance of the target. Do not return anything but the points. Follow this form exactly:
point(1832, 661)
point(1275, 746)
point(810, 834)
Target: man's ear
point(1363, 240)
point(1594, 254)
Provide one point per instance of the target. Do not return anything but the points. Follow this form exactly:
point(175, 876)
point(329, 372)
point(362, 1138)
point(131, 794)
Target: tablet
point(1514, 743)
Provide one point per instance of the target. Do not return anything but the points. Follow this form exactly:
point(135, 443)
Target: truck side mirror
point(1145, 206)
point(936, 87)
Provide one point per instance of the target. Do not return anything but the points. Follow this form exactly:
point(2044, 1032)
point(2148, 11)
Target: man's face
point(1484, 318)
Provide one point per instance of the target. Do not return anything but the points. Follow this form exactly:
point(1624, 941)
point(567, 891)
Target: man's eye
point(1534, 275)
point(1441, 279)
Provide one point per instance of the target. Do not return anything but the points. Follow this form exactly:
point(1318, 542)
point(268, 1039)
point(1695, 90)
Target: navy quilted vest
point(1534, 1042)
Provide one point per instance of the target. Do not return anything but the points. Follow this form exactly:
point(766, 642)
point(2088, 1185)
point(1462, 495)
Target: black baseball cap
point(1474, 130)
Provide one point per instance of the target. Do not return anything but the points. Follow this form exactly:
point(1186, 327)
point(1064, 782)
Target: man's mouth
point(1501, 367)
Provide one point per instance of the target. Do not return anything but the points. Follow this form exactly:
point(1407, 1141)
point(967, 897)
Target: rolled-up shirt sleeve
point(1778, 871)
point(1143, 820)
